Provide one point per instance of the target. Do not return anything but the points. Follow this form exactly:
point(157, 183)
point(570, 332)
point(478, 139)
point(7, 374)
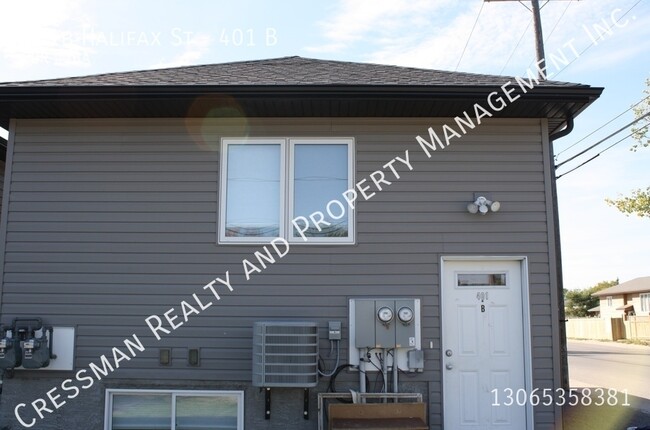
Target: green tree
point(640, 131)
point(638, 203)
point(578, 302)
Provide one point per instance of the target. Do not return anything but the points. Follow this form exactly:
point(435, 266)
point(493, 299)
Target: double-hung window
point(292, 188)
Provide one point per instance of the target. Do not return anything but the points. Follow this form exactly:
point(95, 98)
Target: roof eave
point(32, 100)
point(169, 90)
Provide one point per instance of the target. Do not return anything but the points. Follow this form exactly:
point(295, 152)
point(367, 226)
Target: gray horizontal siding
point(2, 180)
point(111, 221)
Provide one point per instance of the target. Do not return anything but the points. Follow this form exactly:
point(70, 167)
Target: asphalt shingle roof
point(636, 285)
point(286, 71)
point(289, 87)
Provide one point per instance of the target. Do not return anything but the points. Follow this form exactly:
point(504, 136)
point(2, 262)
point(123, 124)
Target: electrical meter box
point(364, 323)
point(405, 325)
point(385, 323)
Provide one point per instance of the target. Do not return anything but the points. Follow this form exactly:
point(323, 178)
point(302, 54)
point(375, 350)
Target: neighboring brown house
point(131, 197)
point(629, 298)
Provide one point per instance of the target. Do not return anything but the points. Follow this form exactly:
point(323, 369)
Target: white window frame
point(108, 410)
point(286, 189)
point(349, 211)
point(609, 301)
point(223, 189)
point(506, 273)
point(645, 302)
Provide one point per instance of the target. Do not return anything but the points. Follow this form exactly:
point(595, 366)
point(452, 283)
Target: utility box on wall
point(29, 344)
point(385, 324)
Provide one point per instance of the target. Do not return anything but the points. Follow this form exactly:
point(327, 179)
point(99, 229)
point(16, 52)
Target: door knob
point(449, 366)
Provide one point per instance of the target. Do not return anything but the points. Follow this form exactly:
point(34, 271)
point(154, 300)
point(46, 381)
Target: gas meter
point(30, 344)
point(10, 352)
point(36, 353)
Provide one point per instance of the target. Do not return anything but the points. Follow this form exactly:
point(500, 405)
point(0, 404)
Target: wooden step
point(378, 416)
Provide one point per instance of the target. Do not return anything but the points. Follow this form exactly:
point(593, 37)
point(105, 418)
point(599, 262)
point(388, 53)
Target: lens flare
point(213, 116)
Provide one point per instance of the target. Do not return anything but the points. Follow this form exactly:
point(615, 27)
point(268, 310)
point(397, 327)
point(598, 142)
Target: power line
point(579, 166)
point(558, 21)
point(554, 27)
point(470, 35)
point(603, 140)
point(537, 27)
point(611, 135)
point(619, 141)
point(516, 46)
point(593, 42)
point(602, 126)
point(597, 155)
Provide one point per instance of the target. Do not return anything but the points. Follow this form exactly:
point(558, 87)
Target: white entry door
point(482, 344)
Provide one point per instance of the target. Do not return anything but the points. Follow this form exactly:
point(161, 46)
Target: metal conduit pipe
point(395, 375)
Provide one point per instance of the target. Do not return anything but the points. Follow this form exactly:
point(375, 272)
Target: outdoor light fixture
point(482, 205)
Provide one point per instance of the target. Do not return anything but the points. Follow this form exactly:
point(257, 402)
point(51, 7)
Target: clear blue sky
point(47, 39)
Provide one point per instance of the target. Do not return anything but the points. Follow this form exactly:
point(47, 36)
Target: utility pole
point(539, 38)
point(541, 67)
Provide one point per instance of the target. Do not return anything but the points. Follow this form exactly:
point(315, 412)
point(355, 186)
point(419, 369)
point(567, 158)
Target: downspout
point(566, 130)
point(564, 371)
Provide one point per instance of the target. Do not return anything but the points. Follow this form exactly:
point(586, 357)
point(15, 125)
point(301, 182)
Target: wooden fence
point(637, 328)
point(633, 327)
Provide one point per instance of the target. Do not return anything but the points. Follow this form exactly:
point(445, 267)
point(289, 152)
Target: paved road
point(611, 365)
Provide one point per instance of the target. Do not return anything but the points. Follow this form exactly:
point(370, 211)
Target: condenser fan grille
point(285, 354)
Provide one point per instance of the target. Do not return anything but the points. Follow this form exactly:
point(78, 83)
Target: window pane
point(206, 412)
point(142, 412)
point(320, 176)
point(645, 302)
point(253, 191)
point(481, 279)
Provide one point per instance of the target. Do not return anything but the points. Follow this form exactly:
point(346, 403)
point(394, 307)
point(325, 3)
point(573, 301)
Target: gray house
point(230, 245)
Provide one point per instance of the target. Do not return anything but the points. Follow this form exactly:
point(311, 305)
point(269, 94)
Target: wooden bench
point(378, 416)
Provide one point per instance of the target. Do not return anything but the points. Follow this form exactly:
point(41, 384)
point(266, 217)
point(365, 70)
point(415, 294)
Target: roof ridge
point(156, 69)
point(289, 71)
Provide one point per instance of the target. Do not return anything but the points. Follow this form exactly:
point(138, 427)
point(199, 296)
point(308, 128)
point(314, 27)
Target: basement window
point(266, 183)
point(173, 410)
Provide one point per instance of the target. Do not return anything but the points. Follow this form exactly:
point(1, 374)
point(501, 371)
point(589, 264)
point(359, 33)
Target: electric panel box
point(334, 330)
point(405, 324)
point(385, 323)
point(364, 323)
